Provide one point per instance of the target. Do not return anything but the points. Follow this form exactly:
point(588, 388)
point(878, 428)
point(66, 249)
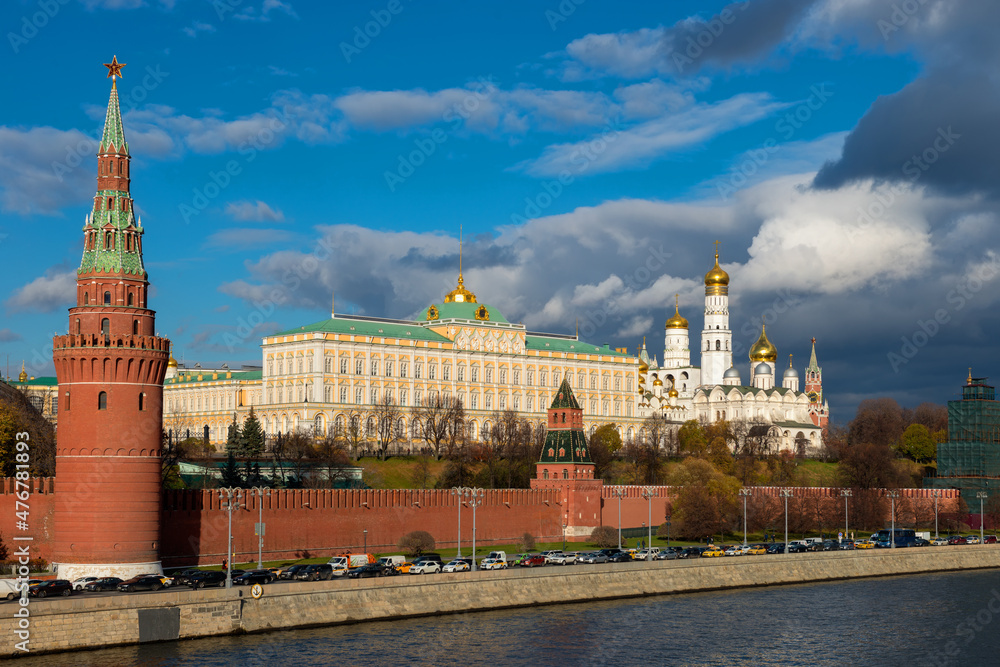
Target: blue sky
point(591, 151)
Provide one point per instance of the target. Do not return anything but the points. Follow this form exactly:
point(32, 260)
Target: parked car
point(290, 571)
point(403, 568)
point(144, 582)
point(939, 542)
point(367, 571)
point(830, 545)
point(990, 539)
point(593, 557)
point(51, 587)
point(210, 578)
point(712, 552)
point(846, 545)
point(972, 539)
point(493, 564)
point(757, 550)
point(921, 542)
point(254, 577)
point(563, 558)
point(425, 567)
point(735, 550)
point(458, 565)
point(315, 572)
point(644, 554)
point(519, 559)
point(549, 556)
point(183, 577)
point(957, 539)
point(864, 544)
point(102, 584)
point(797, 548)
point(534, 560)
point(776, 548)
point(79, 584)
point(667, 554)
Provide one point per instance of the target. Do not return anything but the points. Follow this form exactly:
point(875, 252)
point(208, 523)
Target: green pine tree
point(253, 435)
point(231, 473)
point(233, 439)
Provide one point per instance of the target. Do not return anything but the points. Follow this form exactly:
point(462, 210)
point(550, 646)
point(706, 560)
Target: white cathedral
point(715, 391)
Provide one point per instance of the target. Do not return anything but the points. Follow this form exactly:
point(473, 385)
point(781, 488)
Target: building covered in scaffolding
point(970, 460)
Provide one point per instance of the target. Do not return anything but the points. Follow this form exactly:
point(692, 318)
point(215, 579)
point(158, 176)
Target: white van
point(9, 589)
point(392, 561)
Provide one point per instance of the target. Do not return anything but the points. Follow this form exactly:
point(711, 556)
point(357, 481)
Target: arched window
point(142, 401)
point(135, 327)
point(107, 298)
point(545, 474)
point(66, 405)
point(78, 326)
point(106, 326)
point(102, 401)
point(86, 298)
point(318, 424)
point(131, 299)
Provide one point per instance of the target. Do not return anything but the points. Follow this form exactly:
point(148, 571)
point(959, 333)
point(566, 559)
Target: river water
point(936, 619)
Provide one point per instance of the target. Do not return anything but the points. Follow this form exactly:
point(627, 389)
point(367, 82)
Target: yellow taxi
point(712, 552)
point(757, 550)
point(864, 544)
point(404, 568)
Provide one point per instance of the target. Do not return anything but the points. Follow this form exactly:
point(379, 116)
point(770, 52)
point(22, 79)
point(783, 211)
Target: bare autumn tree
point(299, 451)
point(931, 415)
point(332, 460)
point(387, 431)
point(867, 465)
point(454, 419)
point(878, 420)
point(432, 415)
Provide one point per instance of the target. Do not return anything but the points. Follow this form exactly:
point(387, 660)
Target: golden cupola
point(460, 294)
point(716, 280)
point(676, 322)
point(763, 349)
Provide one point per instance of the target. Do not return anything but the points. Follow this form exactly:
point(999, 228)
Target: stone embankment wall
point(81, 622)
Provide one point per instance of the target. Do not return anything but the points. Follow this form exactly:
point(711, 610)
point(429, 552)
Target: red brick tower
point(819, 409)
point(565, 464)
point(110, 369)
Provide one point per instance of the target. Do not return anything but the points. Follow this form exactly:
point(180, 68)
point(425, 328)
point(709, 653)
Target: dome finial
point(717, 280)
point(676, 322)
point(460, 294)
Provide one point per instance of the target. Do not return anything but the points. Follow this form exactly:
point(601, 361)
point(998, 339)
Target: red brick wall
point(41, 516)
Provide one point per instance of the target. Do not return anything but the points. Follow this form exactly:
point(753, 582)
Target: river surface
point(933, 619)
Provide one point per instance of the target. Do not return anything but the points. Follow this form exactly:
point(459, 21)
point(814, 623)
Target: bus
point(903, 537)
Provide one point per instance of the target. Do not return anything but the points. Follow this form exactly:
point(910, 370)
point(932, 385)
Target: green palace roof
point(36, 382)
point(191, 375)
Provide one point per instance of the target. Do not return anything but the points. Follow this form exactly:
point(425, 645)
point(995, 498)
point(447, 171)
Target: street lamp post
point(365, 531)
point(475, 500)
point(231, 498)
point(459, 491)
point(786, 494)
point(648, 492)
point(619, 492)
point(892, 517)
point(564, 535)
point(937, 494)
point(668, 532)
point(260, 492)
point(746, 494)
point(982, 495)
point(847, 526)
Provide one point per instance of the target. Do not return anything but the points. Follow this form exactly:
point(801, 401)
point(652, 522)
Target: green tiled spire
point(813, 364)
point(564, 398)
point(565, 443)
point(113, 139)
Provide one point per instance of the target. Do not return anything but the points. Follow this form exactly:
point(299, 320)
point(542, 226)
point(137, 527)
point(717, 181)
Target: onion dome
point(676, 322)
point(790, 372)
point(657, 382)
point(763, 369)
point(672, 393)
point(716, 277)
point(23, 375)
point(763, 350)
point(730, 373)
point(460, 294)
point(171, 363)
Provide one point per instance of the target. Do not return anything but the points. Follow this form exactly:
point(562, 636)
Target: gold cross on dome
point(114, 67)
point(717, 247)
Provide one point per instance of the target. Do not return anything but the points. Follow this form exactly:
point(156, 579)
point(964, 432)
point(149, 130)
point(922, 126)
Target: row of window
point(388, 368)
point(107, 299)
point(102, 401)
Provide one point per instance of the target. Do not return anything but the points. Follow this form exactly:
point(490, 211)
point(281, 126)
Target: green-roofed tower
point(565, 442)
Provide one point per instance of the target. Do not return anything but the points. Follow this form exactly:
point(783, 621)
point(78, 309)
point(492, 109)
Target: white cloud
point(256, 211)
point(8, 336)
point(630, 55)
point(46, 293)
point(40, 169)
point(196, 27)
point(641, 144)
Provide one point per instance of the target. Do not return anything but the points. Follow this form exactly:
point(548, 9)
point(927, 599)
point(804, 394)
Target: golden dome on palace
point(676, 322)
point(763, 350)
point(716, 277)
point(460, 294)
point(672, 393)
point(657, 382)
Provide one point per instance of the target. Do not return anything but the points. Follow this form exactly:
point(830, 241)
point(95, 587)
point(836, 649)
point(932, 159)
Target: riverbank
point(97, 622)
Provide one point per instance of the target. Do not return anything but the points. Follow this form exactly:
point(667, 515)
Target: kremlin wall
point(323, 522)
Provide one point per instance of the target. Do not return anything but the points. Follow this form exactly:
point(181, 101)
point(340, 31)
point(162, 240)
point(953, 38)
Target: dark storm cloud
point(741, 31)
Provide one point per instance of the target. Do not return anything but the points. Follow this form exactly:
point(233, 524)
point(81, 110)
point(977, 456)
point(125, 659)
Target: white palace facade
point(323, 375)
